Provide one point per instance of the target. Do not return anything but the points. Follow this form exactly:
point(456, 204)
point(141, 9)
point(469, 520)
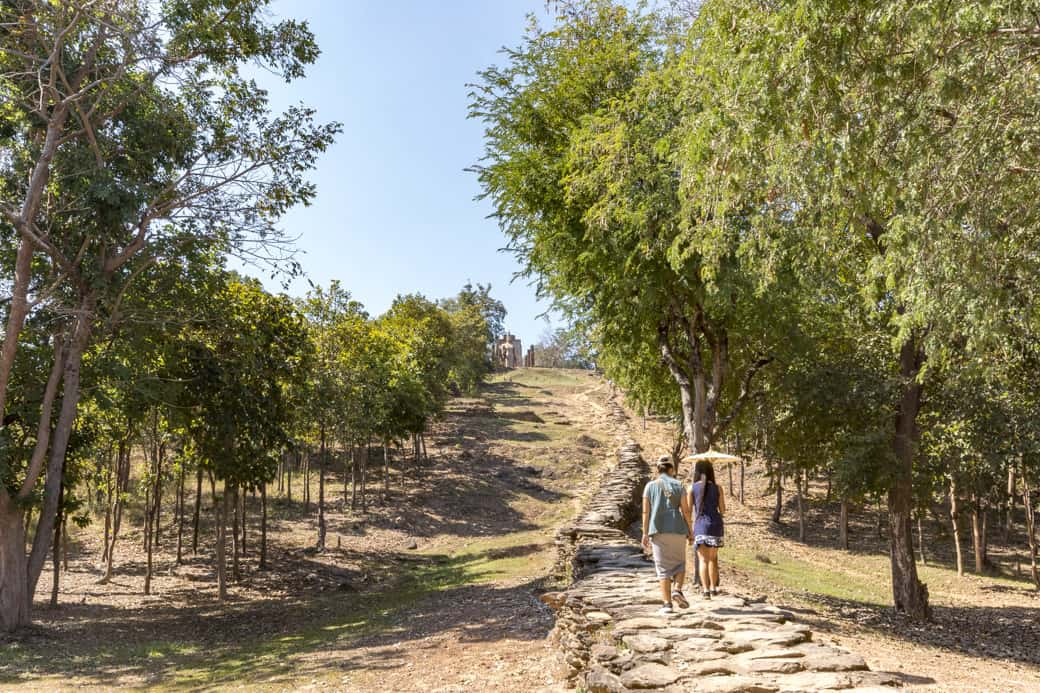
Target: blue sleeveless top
point(708, 519)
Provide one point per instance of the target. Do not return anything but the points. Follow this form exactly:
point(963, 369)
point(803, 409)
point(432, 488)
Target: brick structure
point(509, 353)
point(529, 357)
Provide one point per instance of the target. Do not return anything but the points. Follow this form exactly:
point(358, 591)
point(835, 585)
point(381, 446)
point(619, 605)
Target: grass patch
point(802, 576)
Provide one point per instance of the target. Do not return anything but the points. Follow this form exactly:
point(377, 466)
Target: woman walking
point(706, 526)
point(666, 527)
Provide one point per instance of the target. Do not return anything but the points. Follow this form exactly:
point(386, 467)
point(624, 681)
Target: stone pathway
point(612, 639)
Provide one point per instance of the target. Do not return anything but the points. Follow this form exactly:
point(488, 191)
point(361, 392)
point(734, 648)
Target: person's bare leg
point(714, 568)
point(702, 552)
point(666, 590)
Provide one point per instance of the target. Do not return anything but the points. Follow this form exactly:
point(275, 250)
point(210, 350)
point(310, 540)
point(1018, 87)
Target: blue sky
point(395, 211)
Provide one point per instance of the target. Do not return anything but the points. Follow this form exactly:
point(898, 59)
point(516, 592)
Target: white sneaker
point(680, 600)
point(665, 610)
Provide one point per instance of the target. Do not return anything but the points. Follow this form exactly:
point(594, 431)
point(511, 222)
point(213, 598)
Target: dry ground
point(371, 612)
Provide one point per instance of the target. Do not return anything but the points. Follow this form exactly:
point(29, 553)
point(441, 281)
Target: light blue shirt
point(665, 496)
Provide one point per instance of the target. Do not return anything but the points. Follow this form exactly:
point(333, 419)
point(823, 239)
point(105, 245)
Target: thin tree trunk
point(242, 518)
point(147, 533)
point(263, 526)
point(161, 450)
point(779, 506)
point(1027, 504)
point(148, 542)
point(56, 550)
point(920, 538)
point(307, 482)
point(122, 486)
point(288, 477)
point(1009, 518)
point(843, 525)
point(386, 470)
point(355, 473)
point(956, 526)
point(233, 493)
point(321, 492)
point(222, 508)
point(801, 505)
point(364, 475)
point(108, 504)
point(180, 515)
point(425, 455)
point(198, 506)
point(976, 537)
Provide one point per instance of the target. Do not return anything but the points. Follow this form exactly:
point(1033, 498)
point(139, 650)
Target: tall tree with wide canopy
point(892, 141)
point(129, 136)
point(581, 163)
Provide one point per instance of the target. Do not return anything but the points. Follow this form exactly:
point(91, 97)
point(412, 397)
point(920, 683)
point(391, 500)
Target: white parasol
point(711, 456)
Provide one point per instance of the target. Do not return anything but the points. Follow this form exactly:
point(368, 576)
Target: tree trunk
point(1009, 517)
point(909, 593)
point(779, 506)
point(222, 508)
point(956, 526)
point(195, 518)
point(60, 439)
point(976, 538)
point(307, 483)
point(147, 533)
point(355, 473)
point(321, 492)
point(122, 486)
point(263, 525)
point(920, 538)
point(161, 454)
point(148, 542)
point(801, 505)
point(242, 518)
point(233, 493)
point(14, 597)
point(843, 525)
point(288, 477)
point(386, 470)
point(985, 537)
point(1027, 504)
point(112, 474)
point(425, 456)
point(180, 515)
point(364, 475)
point(56, 550)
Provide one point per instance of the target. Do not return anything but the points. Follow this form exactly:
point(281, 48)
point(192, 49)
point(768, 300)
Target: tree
point(845, 117)
point(330, 315)
point(237, 366)
point(111, 168)
point(581, 162)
